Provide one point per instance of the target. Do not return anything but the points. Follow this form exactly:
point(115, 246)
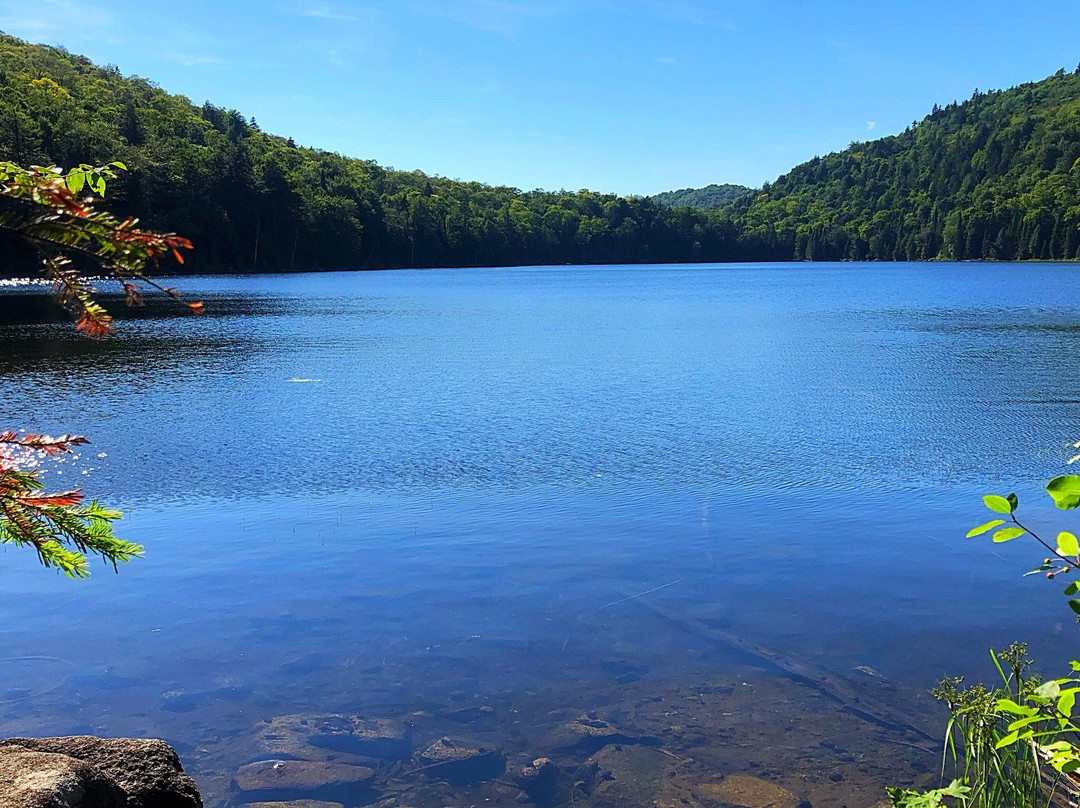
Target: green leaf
point(1008, 740)
point(1067, 544)
point(1075, 605)
point(75, 181)
point(1020, 723)
point(978, 531)
point(999, 504)
point(1008, 534)
point(1066, 702)
point(984, 528)
point(1010, 706)
point(1065, 491)
point(1037, 570)
point(1072, 588)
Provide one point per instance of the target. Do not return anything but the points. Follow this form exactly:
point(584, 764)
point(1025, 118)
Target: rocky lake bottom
point(709, 719)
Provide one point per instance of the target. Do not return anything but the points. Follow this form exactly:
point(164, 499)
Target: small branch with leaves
point(54, 211)
point(46, 207)
point(1064, 553)
point(60, 528)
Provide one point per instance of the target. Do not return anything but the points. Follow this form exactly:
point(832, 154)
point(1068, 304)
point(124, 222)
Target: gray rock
point(283, 780)
point(42, 780)
point(462, 763)
point(148, 770)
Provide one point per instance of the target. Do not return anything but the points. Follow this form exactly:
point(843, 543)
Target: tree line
point(255, 202)
point(994, 177)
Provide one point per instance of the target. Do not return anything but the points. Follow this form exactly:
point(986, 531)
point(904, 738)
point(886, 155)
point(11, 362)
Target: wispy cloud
point(192, 59)
point(495, 16)
point(51, 20)
point(333, 12)
point(684, 11)
point(666, 60)
point(343, 34)
point(871, 124)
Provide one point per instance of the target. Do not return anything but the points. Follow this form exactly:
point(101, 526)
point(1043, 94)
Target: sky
point(626, 97)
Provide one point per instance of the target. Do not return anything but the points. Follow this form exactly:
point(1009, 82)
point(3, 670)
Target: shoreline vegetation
point(996, 177)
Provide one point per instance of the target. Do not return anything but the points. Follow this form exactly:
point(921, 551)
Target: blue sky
point(631, 97)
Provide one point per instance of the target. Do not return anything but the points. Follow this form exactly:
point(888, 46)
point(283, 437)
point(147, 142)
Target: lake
point(716, 510)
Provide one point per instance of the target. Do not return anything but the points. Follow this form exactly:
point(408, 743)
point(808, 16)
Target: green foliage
point(1065, 490)
point(982, 748)
point(711, 197)
point(256, 202)
point(995, 177)
point(905, 798)
point(40, 208)
point(43, 210)
point(60, 528)
point(1015, 746)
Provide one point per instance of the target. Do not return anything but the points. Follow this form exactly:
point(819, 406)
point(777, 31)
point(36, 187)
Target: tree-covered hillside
point(251, 201)
point(996, 177)
point(711, 197)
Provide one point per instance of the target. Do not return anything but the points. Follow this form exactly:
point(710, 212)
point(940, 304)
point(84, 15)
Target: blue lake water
point(410, 493)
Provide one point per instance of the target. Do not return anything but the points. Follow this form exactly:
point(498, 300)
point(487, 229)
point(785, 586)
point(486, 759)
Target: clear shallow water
point(378, 492)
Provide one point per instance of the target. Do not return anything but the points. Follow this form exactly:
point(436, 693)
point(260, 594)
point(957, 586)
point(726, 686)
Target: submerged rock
point(295, 735)
point(46, 780)
point(626, 777)
point(590, 733)
point(462, 763)
point(147, 770)
point(295, 804)
point(381, 738)
point(746, 792)
point(541, 781)
point(277, 780)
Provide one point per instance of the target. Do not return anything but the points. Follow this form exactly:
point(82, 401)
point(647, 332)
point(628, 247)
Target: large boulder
point(147, 770)
point(43, 780)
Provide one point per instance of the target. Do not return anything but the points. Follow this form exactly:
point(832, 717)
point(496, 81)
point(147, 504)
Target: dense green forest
point(711, 197)
point(994, 177)
point(251, 201)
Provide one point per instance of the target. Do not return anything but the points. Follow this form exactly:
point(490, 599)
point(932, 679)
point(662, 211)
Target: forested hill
point(251, 201)
point(711, 197)
point(996, 177)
